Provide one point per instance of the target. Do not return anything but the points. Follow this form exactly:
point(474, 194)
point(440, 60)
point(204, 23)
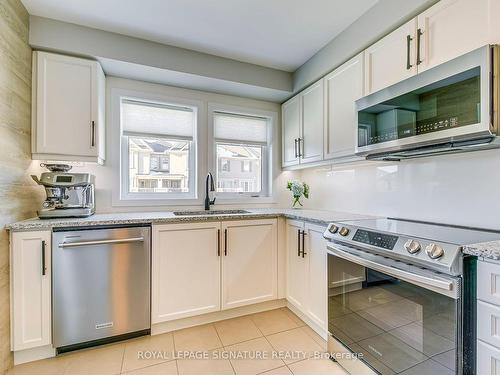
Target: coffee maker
point(68, 194)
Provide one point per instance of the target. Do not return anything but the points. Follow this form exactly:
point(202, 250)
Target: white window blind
point(240, 128)
point(157, 119)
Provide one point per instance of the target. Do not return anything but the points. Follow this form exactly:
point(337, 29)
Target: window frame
point(121, 157)
point(266, 194)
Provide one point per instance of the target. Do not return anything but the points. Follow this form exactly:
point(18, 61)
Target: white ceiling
point(281, 34)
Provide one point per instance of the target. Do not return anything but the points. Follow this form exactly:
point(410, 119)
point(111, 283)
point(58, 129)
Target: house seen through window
point(241, 143)
point(159, 140)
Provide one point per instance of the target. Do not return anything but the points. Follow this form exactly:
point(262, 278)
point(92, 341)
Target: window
point(241, 153)
point(158, 143)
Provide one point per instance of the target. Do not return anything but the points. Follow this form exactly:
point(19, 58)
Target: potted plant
point(298, 190)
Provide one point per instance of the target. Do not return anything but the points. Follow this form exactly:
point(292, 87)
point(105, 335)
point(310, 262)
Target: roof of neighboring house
point(244, 152)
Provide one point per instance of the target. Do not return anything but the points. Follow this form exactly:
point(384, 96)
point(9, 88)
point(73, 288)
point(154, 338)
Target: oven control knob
point(344, 231)
point(412, 246)
point(333, 229)
point(434, 251)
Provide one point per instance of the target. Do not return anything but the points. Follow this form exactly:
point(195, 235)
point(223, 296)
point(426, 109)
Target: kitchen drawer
point(488, 323)
point(488, 282)
point(488, 359)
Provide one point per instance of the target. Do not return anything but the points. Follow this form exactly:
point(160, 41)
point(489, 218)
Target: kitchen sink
point(213, 212)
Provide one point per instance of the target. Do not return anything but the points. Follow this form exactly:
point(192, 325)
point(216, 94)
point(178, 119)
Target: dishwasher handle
point(100, 242)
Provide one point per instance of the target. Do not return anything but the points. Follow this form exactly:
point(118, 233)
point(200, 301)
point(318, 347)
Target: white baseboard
point(314, 326)
point(33, 354)
point(192, 321)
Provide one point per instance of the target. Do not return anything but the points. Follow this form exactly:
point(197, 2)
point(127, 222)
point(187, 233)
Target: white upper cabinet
point(30, 270)
point(290, 113)
point(249, 262)
point(342, 88)
point(452, 28)
point(391, 59)
point(68, 108)
point(311, 139)
point(185, 270)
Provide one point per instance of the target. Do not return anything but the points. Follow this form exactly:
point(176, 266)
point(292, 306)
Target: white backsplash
point(462, 189)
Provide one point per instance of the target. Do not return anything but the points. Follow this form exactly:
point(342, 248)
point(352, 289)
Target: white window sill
point(244, 200)
point(157, 202)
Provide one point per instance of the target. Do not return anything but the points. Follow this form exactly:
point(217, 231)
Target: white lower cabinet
point(249, 262)
point(185, 270)
point(30, 270)
point(488, 359)
point(199, 268)
point(488, 318)
point(315, 251)
point(307, 271)
point(296, 290)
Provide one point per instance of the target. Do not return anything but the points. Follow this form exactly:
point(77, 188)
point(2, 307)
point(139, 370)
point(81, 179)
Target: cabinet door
point(342, 88)
point(452, 28)
point(67, 107)
point(249, 262)
point(315, 249)
point(312, 110)
point(296, 286)
point(31, 289)
point(488, 359)
point(290, 113)
point(185, 270)
point(391, 59)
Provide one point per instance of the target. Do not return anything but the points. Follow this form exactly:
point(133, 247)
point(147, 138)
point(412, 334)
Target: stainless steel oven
point(450, 108)
point(401, 297)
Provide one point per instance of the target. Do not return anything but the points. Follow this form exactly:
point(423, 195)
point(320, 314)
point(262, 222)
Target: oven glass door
point(396, 326)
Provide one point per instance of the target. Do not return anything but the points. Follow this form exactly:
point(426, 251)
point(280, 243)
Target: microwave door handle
point(439, 284)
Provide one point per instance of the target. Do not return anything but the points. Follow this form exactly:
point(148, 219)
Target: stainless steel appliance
point(450, 108)
point(100, 285)
point(402, 295)
point(68, 194)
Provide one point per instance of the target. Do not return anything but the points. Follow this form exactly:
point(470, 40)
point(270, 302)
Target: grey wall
point(52, 35)
point(380, 20)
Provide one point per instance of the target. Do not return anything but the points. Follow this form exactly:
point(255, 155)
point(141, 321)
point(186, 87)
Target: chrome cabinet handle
point(44, 266)
point(100, 242)
point(225, 242)
point(92, 133)
point(299, 140)
point(408, 42)
point(419, 35)
point(295, 147)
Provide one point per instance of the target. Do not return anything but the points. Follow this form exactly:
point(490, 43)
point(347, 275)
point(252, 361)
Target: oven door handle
point(395, 272)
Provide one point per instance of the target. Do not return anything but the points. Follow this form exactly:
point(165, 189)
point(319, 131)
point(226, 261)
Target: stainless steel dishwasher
point(100, 285)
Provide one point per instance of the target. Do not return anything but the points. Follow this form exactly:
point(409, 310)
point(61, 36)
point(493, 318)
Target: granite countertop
point(314, 216)
point(489, 250)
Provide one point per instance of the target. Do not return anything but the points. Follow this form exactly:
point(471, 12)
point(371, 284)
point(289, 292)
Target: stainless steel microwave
point(450, 108)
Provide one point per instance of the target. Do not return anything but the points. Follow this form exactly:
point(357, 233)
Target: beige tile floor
point(269, 334)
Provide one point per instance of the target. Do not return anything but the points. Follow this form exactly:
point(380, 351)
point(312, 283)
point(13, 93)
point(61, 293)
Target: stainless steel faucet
point(209, 202)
